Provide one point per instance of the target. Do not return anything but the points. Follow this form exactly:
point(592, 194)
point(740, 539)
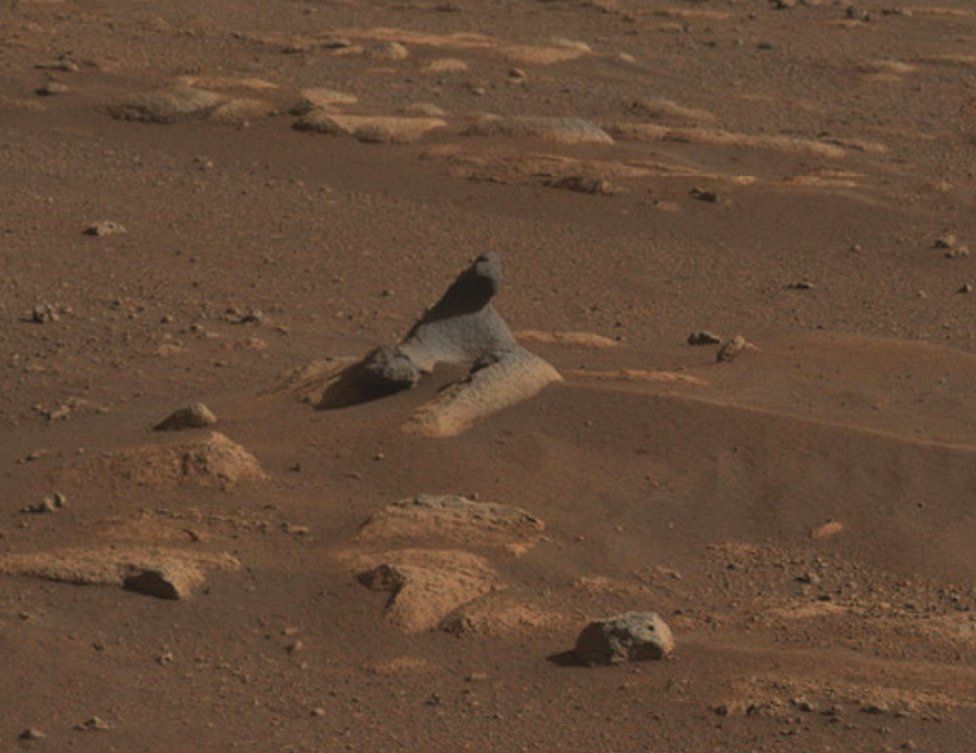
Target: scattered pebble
point(248, 316)
point(731, 349)
point(392, 51)
point(831, 528)
point(701, 194)
point(580, 184)
point(704, 337)
point(43, 313)
point(94, 724)
point(32, 733)
point(105, 227)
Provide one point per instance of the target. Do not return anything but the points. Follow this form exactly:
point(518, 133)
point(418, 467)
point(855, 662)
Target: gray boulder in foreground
point(632, 636)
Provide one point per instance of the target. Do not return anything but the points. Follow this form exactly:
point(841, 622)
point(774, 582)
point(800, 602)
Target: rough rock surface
point(633, 636)
point(501, 613)
point(450, 517)
point(427, 585)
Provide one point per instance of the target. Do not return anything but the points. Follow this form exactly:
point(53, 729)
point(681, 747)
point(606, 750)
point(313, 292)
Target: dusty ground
point(803, 175)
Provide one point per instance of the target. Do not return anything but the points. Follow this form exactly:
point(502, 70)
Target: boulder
point(633, 636)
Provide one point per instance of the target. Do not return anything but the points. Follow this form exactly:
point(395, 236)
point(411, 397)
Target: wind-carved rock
point(461, 328)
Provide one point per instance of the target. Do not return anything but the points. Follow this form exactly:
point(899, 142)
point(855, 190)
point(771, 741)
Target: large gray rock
point(632, 636)
point(462, 327)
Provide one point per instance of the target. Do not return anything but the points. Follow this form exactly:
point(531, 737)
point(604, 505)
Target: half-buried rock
point(462, 328)
point(560, 130)
point(186, 103)
point(173, 105)
point(193, 416)
point(632, 636)
point(370, 129)
point(451, 518)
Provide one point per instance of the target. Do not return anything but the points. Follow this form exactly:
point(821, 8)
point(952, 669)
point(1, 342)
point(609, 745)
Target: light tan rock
point(370, 128)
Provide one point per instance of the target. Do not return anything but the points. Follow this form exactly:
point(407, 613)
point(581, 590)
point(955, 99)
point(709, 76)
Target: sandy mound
point(502, 614)
point(213, 460)
point(164, 573)
point(427, 585)
point(452, 519)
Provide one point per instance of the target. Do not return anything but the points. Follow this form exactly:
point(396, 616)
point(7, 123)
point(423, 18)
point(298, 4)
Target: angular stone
point(632, 636)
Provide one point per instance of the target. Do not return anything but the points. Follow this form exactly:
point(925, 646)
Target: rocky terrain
point(288, 463)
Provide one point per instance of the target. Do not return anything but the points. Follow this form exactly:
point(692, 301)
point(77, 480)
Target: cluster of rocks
point(50, 503)
point(729, 349)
